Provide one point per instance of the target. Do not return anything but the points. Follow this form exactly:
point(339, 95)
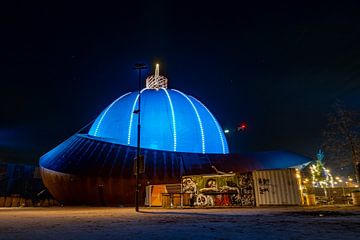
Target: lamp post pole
point(139, 67)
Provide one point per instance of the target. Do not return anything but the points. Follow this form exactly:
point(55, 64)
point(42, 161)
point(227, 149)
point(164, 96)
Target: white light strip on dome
point(173, 117)
point(216, 123)
point(132, 114)
point(105, 112)
point(198, 117)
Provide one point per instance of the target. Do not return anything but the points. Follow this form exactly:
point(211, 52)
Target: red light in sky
point(242, 127)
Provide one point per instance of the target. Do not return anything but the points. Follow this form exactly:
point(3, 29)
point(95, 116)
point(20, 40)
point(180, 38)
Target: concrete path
point(335, 222)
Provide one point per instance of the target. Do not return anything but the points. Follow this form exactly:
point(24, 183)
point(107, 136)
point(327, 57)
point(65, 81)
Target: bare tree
point(342, 140)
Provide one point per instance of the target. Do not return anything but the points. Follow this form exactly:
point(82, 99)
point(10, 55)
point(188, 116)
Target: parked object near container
point(356, 197)
point(277, 187)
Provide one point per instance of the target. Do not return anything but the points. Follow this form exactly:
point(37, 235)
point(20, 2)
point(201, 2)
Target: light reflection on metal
point(156, 81)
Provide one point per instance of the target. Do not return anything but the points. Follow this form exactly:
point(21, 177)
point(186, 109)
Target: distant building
point(20, 179)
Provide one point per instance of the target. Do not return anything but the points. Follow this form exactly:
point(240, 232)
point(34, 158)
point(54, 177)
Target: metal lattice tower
point(156, 81)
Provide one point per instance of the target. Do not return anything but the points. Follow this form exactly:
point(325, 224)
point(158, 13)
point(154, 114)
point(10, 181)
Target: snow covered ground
point(231, 223)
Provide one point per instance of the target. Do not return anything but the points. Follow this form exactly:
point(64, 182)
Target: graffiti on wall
point(246, 196)
point(264, 184)
point(220, 190)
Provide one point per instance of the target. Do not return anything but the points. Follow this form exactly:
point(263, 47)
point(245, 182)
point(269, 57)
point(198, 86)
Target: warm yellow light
point(350, 179)
point(337, 178)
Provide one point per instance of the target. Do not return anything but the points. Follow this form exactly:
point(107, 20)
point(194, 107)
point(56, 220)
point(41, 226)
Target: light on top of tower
point(156, 81)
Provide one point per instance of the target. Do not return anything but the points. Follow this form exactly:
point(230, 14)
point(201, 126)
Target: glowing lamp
point(242, 127)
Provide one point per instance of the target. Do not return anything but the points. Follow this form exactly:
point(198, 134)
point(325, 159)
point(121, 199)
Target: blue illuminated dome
point(170, 121)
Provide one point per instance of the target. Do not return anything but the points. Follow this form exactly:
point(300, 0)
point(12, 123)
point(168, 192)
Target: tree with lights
point(321, 176)
point(342, 140)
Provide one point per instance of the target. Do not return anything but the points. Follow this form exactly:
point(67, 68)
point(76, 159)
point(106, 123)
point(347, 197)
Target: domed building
point(170, 121)
point(179, 136)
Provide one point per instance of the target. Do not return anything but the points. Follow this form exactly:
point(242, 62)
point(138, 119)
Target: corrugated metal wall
point(276, 187)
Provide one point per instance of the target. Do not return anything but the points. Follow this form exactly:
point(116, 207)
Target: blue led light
point(217, 126)
point(172, 116)
point(132, 115)
point(198, 117)
point(106, 111)
point(170, 121)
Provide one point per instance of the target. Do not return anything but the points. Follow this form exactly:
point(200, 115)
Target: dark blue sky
point(277, 67)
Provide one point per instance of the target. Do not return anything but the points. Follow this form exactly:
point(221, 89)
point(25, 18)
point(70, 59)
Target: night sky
point(277, 67)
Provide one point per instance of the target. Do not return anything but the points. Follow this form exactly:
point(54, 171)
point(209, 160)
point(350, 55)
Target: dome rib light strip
point(132, 115)
point(106, 111)
point(216, 123)
point(198, 117)
point(173, 117)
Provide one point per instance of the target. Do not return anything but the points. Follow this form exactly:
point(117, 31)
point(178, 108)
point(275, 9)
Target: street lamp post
point(139, 67)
